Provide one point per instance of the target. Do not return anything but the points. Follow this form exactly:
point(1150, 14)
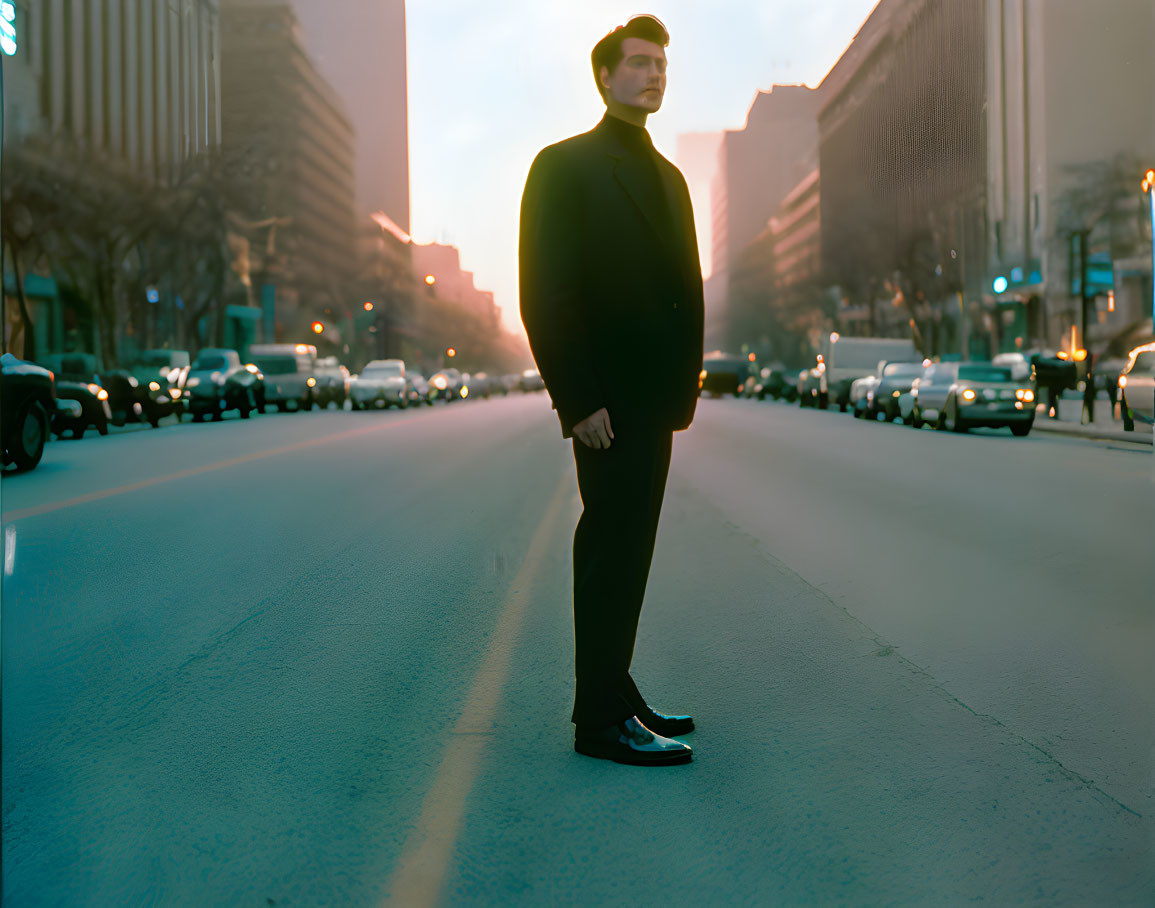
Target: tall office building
point(359, 47)
point(134, 80)
point(279, 113)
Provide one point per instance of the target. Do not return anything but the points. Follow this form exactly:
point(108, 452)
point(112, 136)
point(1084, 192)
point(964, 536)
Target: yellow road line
point(421, 870)
point(25, 513)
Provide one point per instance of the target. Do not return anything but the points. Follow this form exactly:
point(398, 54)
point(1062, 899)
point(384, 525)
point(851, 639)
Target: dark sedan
point(723, 375)
point(985, 395)
point(895, 380)
point(27, 397)
point(81, 402)
point(218, 382)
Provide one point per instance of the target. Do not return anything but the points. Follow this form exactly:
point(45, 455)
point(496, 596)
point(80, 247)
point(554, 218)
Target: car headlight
point(968, 396)
point(1025, 394)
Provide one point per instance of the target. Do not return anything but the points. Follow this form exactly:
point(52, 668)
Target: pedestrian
point(611, 300)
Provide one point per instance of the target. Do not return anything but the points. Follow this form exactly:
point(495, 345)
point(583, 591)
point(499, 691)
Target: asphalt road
point(327, 658)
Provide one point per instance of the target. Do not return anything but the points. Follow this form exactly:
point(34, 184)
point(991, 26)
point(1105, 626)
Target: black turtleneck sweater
point(638, 144)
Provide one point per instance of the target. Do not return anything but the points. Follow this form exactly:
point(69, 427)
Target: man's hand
point(594, 431)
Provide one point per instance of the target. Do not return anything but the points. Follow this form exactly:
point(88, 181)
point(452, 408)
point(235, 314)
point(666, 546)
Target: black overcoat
point(611, 290)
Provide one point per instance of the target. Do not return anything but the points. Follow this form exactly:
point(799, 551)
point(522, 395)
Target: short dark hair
point(608, 52)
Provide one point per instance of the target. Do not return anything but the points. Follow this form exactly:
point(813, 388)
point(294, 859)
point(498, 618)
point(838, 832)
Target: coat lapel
point(627, 172)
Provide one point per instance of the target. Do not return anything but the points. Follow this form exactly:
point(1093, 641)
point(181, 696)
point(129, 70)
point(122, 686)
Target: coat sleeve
point(551, 271)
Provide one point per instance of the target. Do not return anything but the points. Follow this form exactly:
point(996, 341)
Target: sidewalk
point(1104, 427)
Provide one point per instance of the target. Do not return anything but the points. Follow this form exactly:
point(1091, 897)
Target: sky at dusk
point(492, 84)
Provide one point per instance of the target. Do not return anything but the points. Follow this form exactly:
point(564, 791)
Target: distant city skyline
point(488, 90)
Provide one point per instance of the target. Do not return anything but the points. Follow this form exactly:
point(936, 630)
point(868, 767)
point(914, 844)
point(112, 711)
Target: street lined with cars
point(66, 394)
point(934, 600)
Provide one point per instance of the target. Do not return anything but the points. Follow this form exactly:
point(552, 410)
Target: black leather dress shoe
point(630, 742)
point(667, 726)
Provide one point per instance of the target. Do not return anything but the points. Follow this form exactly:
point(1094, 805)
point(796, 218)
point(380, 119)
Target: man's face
point(640, 78)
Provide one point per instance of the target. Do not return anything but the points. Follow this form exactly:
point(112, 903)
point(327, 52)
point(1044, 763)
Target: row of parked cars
point(66, 394)
point(952, 395)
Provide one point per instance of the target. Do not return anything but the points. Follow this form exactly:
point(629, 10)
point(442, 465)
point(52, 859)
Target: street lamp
point(318, 327)
point(368, 307)
point(430, 280)
point(450, 352)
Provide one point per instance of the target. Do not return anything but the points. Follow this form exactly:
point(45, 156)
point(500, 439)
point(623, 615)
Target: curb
point(1139, 437)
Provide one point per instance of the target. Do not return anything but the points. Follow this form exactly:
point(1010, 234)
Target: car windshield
point(983, 373)
point(277, 365)
point(205, 363)
point(1144, 363)
point(902, 369)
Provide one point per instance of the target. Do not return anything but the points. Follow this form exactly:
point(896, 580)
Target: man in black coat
point(611, 300)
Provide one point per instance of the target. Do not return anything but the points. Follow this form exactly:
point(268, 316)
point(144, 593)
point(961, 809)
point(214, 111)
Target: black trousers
point(621, 490)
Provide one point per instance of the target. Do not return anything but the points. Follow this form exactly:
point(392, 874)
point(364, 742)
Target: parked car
point(449, 382)
point(480, 386)
point(512, 381)
point(931, 393)
point(417, 389)
point(27, 400)
point(290, 372)
point(160, 376)
point(218, 382)
point(497, 386)
point(332, 383)
point(1137, 387)
point(723, 373)
point(777, 384)
point(984, 394)
point(894, 380)
point(130, 400)
point(380, 384)
point(81, 402)
point(531, 380)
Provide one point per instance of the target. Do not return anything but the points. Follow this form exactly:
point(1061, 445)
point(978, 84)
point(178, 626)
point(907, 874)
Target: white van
point(290, 372)
point(845, 359)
